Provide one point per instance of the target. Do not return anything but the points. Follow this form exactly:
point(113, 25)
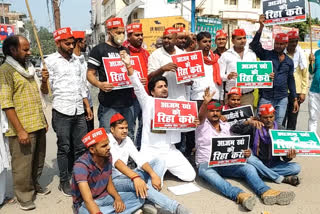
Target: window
point(230, 2)
point(256, 4)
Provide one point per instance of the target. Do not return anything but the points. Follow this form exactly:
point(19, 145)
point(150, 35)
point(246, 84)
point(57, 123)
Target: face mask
point(118, 39)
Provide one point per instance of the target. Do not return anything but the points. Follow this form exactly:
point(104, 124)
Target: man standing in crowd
point(92, 187)
point(191, 43)
point(68, 105)
point(80, 47)
point(160, 64)
point(111, 101)
point(20, 100)
point(228, 64)
point(282, 75)
point(301, 78)
point(221, 42)
point(181, 38)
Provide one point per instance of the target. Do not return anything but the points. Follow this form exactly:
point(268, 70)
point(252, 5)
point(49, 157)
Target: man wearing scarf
point(272, 167)
point(20, 100)
point(228, 64)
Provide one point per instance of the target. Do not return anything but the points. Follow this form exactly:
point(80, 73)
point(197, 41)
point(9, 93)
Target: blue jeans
point(105, 114)
point(105, 204)
point(280, 106)
point(137, 113)
point(246, 171)
point(124, 184)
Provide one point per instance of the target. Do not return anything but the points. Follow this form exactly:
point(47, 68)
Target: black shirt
point(116, 98)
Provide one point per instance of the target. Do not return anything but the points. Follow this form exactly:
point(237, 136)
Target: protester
point(160, 64)
point(267, 165)
point(92, 187)
point(301, 77)
point(282, 75)
point(134, 44)
point(126, 180)
point(20, 100)
point(80, 46)
point(181, 38)
point(210, 127)
point(228, 64)
point(221, 42)
point(191, 43)
point(158, 144)
point(68, 105)
point(111, 101)
point(233, 98)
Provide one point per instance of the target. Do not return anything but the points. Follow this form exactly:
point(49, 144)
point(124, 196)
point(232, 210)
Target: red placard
point(190, 66)
point(174, 114)
point(116, 71)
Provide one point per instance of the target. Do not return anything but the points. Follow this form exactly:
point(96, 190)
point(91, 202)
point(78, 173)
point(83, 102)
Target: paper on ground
point(184, 189)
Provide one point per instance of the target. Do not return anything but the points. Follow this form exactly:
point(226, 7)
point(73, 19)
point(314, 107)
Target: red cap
point(62, 33)
point(214, 105)
point(114, 22)
point(116, 117)
point(134, 27)
point(95, 136)
point(235, 90)
point(221, 33)
point(266, 109)
point(238, 32)
point(79, 34)
point(293, 34)
point(169, 30)
point(181, 30)
point(281, 37)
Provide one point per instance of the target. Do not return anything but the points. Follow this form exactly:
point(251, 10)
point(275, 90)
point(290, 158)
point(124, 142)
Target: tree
point(55, 5)
point(304, 26)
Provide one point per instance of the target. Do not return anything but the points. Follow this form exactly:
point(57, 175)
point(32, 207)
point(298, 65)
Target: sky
point(74, 13)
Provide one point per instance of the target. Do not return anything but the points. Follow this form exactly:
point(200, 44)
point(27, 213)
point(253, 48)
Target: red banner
point(116, 71)
point(174, 114)
point(190, 66)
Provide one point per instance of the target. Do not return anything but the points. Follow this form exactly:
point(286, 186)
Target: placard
point(237, 114)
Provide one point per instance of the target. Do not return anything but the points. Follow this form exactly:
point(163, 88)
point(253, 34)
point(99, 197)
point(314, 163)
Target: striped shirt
point(85, 170)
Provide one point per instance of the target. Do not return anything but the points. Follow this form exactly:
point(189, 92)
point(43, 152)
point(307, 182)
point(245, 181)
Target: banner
point(174, 114)
point(210, 25)
point(254, 74)
point(284, 11)
point(190, 66)
point(238, 114)
point(228, 150)
point(116, 71)
point(282, 29)
point(306, 143)
point(5, 31)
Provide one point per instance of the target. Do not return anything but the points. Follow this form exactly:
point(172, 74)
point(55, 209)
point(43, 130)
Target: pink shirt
point(204, 135)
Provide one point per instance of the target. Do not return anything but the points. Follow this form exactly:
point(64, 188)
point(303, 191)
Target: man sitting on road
point(268, 166)
point(92, 187)
point(210, 127)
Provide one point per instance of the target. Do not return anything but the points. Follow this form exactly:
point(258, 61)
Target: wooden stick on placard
point(310, 33)
point(38, 42)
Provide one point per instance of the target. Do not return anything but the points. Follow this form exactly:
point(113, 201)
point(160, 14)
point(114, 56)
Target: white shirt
point(228, 63)
point(122, 152)
point(199, 85)
point(159, 58)
point(299, 58)
point(66, 82)
point(4, 144)
point(152, 141)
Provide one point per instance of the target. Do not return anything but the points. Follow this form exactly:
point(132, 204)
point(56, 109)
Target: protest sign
point(284, 11)
point(210, 25)
point(190, 66)
point(5, 31)
point(116, 71)
point(237, 114)
point(306, 143)
point(254, 74)
point(174, 114)
point(228, 150)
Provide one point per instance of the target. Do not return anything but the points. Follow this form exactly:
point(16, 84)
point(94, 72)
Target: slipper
point(293, 180)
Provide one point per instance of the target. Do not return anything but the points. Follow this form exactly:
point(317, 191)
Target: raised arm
point(207, 97)
point(255, 45)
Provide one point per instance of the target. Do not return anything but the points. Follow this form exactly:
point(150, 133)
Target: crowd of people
point(96, 166)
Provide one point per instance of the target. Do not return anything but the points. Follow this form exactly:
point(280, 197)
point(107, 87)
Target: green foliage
point(303, 26)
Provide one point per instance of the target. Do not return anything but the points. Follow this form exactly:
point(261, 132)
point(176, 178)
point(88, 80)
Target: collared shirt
point(204, 134)
point(85, 170)
point(301, 74)
point(159, 58)
point(283, 72)
point(199, 85)
point(122, 152)
point(315, 85)
point(216, 51)
point(152, 140)
point(66, 82)
point(22, 94)
point(228, 63)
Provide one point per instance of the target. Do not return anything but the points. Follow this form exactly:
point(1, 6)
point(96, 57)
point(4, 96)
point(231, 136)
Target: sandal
point(293, 180)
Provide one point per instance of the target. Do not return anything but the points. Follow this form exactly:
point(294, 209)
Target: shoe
point(293, 180)
point(139, 211)
point(27, 206)
point(149, 209)
point(182, 210)
point(272, 197)
point(65, 188)
point(246, 200)
point(43, 191)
